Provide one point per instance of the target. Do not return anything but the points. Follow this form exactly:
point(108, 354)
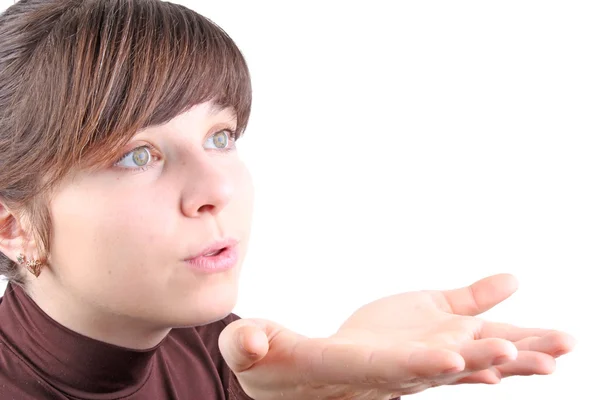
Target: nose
point(208, 189)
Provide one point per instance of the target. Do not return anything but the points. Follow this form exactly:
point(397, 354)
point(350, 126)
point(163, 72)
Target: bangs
point(79, 78)
point(110, 68)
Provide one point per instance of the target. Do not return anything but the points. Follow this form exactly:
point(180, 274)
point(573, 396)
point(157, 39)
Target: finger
point(336, 363)
point(480, 296)
point(528, 363)
point(555, 344)
point(509, 332)
point(482, 354)
point(487, 376)
point(525, 344)
point(515, 333)
point(243, 343)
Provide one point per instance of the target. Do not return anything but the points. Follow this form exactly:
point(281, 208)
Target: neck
point(74, 362)
point(92, 320)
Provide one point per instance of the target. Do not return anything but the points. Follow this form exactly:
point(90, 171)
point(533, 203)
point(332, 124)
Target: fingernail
point(501, 360)
point(559, 353)
point(452, 370)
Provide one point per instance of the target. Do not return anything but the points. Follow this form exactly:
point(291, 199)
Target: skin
point(395, 346)
point(116, 273)
point(116, 269)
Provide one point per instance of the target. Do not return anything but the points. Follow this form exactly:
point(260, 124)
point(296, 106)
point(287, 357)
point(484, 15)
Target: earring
point(35, 266)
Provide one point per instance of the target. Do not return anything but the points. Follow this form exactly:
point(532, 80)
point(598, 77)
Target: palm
point(397, 345)
point(410, 318)
point(444, 324)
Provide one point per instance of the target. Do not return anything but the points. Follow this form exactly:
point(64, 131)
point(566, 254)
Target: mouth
point(216, 249)
point(220, 256)
point(215, 253)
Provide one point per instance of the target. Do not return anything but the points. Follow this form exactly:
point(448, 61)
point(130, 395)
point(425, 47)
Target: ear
point(13, 237)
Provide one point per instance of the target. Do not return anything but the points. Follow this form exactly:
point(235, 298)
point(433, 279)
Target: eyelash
point(152, 151)
point(233, 136)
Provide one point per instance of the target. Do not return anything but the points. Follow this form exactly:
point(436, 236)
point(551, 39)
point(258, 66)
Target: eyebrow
point(216, 109)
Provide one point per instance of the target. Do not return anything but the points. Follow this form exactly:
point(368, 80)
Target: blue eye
point(220, 140)
point(137, 158)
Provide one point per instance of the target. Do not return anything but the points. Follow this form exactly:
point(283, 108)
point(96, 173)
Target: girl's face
point(121, 236)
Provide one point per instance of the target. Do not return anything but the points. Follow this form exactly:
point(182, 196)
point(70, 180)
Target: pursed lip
point(215, 247)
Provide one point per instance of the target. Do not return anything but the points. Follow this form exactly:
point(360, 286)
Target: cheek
point(116, 234)
point(103, 232)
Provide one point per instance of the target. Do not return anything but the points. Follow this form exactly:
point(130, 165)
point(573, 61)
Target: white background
point(398, 146)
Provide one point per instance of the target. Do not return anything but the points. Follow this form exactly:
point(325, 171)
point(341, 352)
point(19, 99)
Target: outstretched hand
point(397, 345)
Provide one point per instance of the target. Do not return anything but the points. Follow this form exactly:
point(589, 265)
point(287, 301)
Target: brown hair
point(78, 78)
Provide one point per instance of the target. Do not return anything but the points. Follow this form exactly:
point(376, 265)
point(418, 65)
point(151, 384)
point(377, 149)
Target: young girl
point(124, 220)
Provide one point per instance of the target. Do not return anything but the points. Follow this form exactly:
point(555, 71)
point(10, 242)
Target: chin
point(206, 308)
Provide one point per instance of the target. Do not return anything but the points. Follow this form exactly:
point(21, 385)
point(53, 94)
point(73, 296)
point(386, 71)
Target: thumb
point(243, 343)
point(481, 295)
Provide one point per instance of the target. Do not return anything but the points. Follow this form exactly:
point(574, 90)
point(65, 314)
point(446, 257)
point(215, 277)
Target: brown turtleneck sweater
point(41, 359)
